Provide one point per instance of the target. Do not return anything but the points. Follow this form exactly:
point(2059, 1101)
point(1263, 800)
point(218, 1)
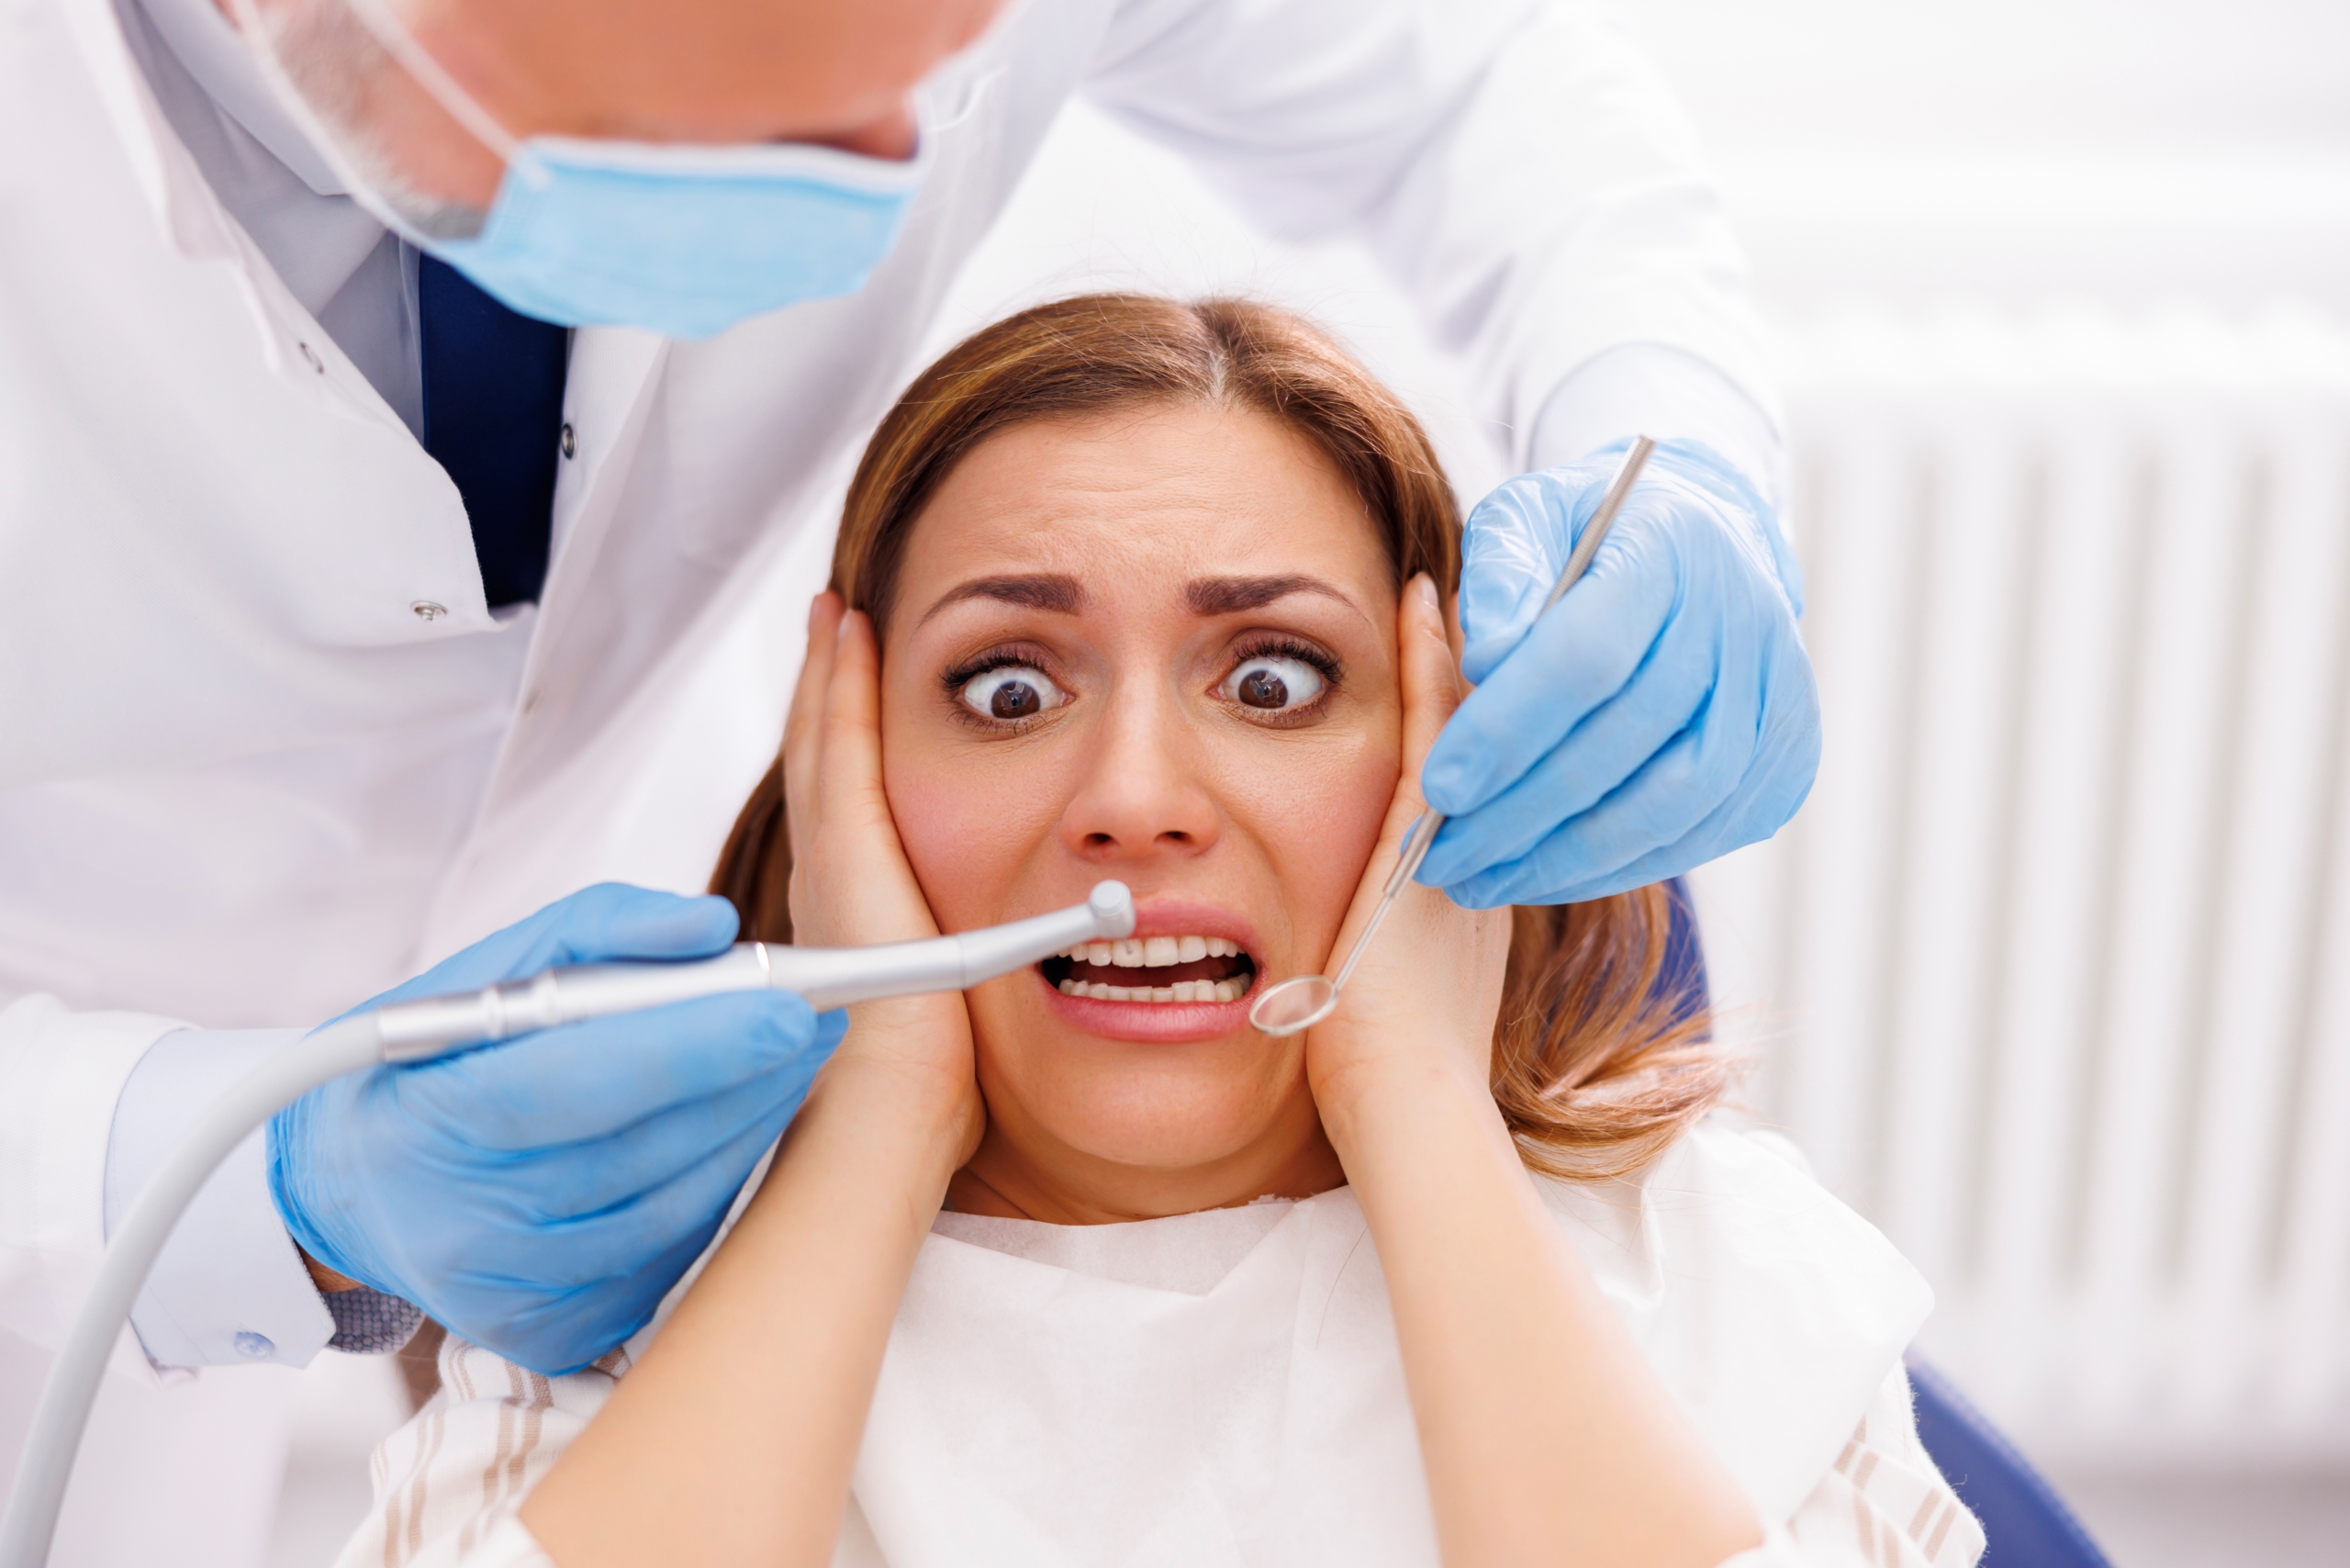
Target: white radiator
point(2051, 977)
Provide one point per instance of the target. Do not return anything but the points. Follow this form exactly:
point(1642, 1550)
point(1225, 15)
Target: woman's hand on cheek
point(851, 885)
point(1420, 1007)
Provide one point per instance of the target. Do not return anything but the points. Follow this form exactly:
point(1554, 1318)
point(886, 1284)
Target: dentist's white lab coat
point(265, 751)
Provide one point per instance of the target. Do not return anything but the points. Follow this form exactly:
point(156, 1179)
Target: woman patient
point(1078, 1268)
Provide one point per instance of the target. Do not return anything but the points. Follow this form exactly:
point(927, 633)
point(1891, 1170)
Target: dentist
point(399, 397)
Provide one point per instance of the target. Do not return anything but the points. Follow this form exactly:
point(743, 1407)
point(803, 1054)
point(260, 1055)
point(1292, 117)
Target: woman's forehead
point(1150, 500)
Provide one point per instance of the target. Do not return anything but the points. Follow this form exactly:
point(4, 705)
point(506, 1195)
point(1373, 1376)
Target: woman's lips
point(1186, 973)
point(1149, 1021)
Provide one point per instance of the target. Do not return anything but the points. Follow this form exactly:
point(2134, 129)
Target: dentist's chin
point(895, 137)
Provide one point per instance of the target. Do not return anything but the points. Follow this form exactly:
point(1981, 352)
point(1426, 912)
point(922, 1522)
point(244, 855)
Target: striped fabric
point(1884, 1505)
point(448, 1485)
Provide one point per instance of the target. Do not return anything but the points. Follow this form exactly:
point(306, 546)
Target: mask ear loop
point(973, 95)
point(358, 182)
point(426, 72)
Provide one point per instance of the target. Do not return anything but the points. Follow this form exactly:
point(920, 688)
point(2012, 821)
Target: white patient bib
point(1225, 1388)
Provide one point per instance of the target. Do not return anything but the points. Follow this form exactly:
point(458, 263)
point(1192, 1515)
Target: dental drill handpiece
point(826, 976)
point(440, 1026)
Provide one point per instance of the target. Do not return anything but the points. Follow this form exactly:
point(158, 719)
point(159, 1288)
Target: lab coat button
point(570, 442)
point(311, 354)
point(255, 1347)
point(425, 610)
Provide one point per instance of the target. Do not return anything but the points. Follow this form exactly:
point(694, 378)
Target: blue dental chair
point(2025, 1524)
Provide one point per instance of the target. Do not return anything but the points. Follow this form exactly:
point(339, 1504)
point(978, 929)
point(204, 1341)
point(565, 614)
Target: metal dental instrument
point(826, 976)
point(1302, 1001)
point(440, 1026)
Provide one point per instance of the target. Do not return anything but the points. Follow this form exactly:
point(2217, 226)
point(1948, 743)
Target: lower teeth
point(1182, 991)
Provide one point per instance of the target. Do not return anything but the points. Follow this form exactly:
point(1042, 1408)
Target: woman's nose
point(1141, 797)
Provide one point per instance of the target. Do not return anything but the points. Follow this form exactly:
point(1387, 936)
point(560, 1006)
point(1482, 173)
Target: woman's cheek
point(965, 820)
point(1319, 819)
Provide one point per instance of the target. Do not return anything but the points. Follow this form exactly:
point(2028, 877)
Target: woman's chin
point(1154, 1108)
point(1148, 1023)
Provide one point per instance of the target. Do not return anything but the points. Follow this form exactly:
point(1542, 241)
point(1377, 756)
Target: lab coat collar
point(611, 367)
point(166, 175)
point(194, 222)
point(215, 55)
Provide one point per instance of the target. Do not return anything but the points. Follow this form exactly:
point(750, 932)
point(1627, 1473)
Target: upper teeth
point(1151, 952)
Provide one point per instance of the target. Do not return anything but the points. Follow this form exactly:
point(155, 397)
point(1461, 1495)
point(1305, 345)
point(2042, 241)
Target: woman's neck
point(1008, 1180)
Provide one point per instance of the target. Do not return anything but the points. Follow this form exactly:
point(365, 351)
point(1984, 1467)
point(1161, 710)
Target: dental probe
point(1302, 1001)
point(422, 1030)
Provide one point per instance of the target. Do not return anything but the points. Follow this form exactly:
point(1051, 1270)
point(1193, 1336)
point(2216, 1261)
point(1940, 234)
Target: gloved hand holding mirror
point(1665, 716)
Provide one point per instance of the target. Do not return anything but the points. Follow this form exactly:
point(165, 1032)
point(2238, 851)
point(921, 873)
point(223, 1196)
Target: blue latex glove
point(1662, 715)
point(541, 1196)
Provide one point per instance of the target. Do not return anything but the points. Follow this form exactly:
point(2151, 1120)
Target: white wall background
point(2130, 151)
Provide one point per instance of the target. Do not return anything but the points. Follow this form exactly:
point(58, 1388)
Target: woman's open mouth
point(1153, 969)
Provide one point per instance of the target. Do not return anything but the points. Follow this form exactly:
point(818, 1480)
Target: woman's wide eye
point(1273, 684)
point(1012, 691)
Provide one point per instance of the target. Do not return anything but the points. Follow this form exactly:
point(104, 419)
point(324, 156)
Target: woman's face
point(1157, 645)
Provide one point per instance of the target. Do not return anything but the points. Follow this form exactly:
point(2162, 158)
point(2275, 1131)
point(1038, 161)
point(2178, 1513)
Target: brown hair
point(1602, 1051)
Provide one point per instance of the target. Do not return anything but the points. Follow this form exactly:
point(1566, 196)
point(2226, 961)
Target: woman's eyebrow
point(1061, 595)
point(1230, 596)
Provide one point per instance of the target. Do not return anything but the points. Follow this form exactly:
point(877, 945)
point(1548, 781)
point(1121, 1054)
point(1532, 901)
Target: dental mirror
point(1302, 1001)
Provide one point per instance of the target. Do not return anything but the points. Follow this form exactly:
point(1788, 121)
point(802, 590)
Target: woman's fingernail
point(1425, 585)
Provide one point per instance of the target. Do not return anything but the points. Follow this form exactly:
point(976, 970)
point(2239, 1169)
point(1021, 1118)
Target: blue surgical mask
point(683, 241)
